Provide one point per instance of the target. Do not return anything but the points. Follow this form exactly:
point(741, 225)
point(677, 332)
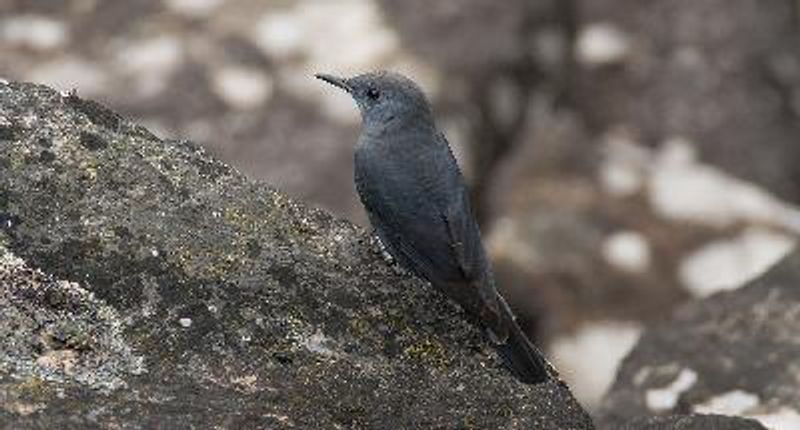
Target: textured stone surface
point(173, 291)
point(734, 353)
point(694, 422)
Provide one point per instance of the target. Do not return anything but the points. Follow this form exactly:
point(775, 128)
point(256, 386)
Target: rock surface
point(695, 422)
point(734, 353)
point(144, 284)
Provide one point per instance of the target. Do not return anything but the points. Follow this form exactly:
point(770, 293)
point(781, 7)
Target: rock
point(146, 284)
point(693, 422)
point(734, 353)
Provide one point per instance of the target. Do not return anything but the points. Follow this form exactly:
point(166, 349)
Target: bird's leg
point(387, 257)
point(381, 249)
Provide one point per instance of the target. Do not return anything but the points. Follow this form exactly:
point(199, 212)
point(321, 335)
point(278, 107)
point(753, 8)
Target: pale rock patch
point(628, 251)
point(730, 263)
point(34, 31)
point(607, 343)
point(664, 399)
point(242, 88)
point(602, 43)
point(67, 74)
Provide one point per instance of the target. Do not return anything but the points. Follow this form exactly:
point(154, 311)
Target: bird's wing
point(465, 239)
point(419, 204)
point(456, 213)
point(391, 222)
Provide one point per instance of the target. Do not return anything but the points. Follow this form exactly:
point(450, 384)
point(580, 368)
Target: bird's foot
point(381, 249)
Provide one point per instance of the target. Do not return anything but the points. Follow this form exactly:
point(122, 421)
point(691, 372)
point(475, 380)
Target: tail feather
point(521, 356)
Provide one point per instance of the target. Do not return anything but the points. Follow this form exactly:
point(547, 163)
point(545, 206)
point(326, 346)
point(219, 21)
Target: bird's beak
point(335, 81)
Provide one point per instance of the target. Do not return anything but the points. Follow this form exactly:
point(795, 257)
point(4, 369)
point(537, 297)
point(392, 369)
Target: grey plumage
point(416, 199)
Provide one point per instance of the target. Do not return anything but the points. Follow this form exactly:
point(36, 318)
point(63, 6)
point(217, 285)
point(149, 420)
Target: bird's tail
point(521, 356)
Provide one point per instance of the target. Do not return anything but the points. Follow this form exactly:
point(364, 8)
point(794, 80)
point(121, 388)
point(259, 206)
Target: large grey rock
point(735, 352)
point(145, 284)
point(693, 422)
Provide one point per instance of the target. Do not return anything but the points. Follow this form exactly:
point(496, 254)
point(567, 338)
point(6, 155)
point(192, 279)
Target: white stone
point(280, 34)
point(150, 62)
point(624, 166)
point(34, 31)
point(185, 322)
point(620, 180)
point(735, 402)
point(602, 43)
point(69, 74)
point(683, 189)
point(665, 399)
point(607, 343)
point(154, 55)
point(730, 263)
point(243, 88)
point(628, 251)
point(194, 8)
point(784, 418)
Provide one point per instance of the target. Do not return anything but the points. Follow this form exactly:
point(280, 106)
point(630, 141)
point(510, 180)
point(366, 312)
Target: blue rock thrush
point(416, 199)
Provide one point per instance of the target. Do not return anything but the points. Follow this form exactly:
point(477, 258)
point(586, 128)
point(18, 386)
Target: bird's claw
point(380, 248)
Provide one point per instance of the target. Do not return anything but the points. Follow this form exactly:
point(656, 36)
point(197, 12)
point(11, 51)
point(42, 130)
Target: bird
point(418, 204)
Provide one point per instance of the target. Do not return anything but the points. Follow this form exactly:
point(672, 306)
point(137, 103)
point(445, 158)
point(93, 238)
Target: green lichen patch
point(428, 352)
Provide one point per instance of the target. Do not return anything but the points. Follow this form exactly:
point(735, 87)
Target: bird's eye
point(373, 93)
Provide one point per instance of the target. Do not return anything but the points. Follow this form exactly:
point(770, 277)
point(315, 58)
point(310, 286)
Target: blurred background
point(625, 156)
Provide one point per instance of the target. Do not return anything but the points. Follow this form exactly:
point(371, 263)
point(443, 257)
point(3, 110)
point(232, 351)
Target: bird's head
point(384, 97)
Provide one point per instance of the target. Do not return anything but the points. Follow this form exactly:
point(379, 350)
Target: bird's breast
point(401, 171)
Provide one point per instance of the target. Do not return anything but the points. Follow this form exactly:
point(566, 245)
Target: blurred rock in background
point(734, 353)
point(626, 157)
